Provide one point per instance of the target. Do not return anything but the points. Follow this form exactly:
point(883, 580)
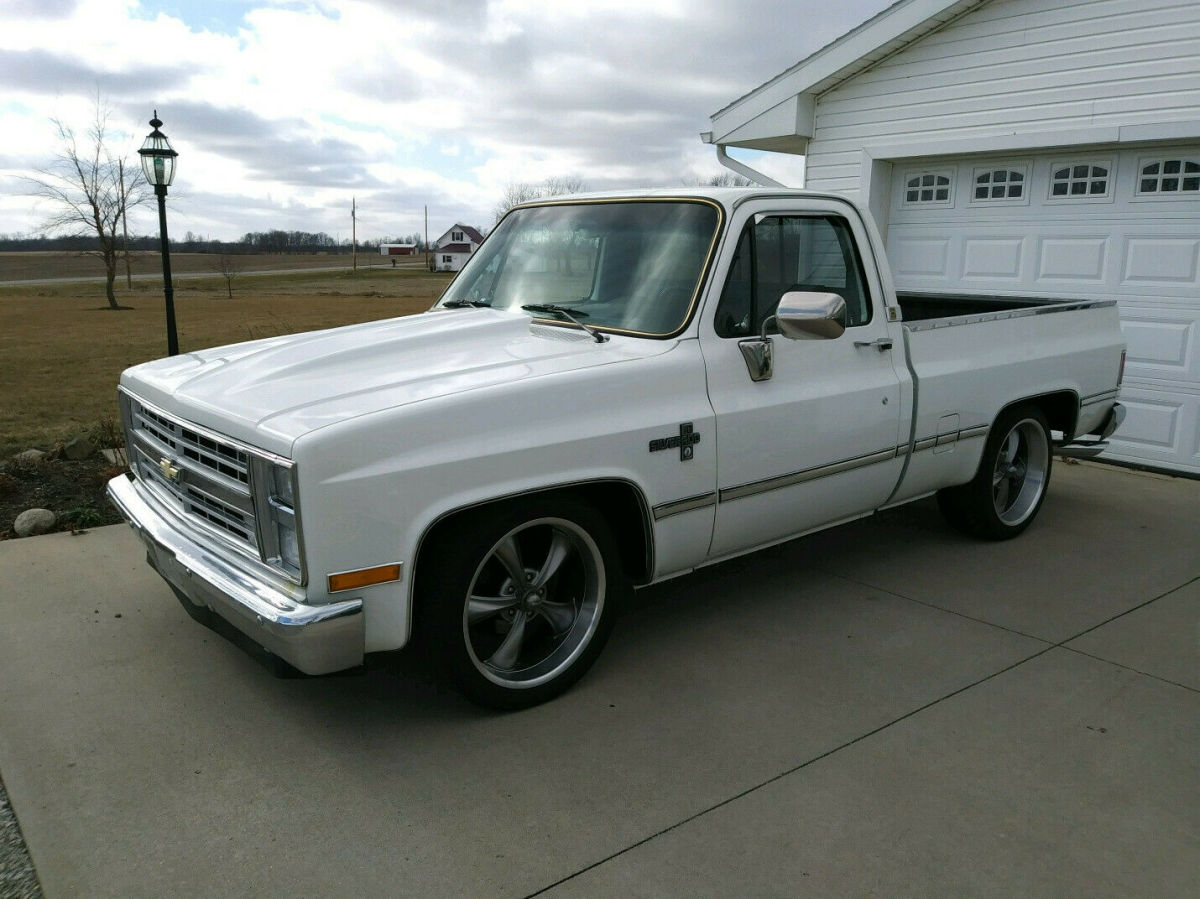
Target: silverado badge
point(687, 439)
point(169, 471)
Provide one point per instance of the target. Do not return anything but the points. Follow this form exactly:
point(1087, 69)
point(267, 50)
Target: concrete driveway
point(884, 708)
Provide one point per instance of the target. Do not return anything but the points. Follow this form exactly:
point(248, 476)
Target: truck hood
point(270, 392)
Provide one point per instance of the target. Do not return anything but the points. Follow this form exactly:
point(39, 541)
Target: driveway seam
point(930, 605)
point(846, 745)
point(788, 772)
point(1152, 676)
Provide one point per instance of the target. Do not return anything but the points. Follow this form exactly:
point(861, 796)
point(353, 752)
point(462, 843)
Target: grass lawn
point(62, 349)
point(25, 266)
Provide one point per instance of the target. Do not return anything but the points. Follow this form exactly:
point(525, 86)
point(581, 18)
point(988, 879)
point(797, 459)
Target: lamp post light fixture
point(158, 165)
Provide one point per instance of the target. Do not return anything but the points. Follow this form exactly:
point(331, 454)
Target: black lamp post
point(158, 164)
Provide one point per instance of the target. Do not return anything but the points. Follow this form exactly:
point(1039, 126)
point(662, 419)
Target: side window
point(779, 253)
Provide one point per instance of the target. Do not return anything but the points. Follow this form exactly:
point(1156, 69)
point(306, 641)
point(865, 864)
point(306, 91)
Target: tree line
point(253, 242)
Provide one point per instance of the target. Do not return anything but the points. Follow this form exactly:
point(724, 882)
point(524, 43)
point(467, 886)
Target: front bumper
point(315, 639)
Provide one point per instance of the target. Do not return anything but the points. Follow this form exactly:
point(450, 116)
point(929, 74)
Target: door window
point(781, 253)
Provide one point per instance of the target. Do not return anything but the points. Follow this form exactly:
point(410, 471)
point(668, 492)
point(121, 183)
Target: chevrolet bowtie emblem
point(169, 471)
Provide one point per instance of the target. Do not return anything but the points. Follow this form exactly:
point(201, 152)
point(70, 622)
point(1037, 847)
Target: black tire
point(1007, 492)
point(508, 643)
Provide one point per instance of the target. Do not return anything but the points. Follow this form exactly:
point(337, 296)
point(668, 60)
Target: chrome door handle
point(881, 343)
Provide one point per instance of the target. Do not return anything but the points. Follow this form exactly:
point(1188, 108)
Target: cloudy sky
point(283, 110)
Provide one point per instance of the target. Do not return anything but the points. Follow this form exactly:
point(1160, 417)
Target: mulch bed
point(73, 491)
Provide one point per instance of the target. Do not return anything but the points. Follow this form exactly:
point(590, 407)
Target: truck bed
point(926, 306)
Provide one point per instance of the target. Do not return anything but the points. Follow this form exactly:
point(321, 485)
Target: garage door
point(1092, 223)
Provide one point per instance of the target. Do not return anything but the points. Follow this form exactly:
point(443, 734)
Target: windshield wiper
point(462, 304)
point(571, 315)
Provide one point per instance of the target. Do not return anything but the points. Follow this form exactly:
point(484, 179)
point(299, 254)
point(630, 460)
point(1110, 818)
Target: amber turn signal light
point(365, 577)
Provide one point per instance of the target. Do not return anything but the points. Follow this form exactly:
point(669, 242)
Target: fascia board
point(792, 117)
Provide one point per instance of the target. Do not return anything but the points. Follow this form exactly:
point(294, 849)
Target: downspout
point(744, 170)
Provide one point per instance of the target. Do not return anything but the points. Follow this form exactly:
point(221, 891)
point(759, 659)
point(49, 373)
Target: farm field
point(62, 349)
point(53, 265)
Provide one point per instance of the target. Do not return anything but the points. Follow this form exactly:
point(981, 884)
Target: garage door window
point(929, 189)
point(999, 184)
point(1165, 176)
point(1079, 181)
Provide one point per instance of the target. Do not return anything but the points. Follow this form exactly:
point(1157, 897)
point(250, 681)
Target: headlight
point(284, 485)
point(289, 547)
point(278, 516)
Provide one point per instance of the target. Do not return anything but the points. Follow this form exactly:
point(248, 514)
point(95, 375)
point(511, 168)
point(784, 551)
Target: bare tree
point(226, 265)
point(87, 189)
point(517, 192)
point(724, 179)
point(561, 185)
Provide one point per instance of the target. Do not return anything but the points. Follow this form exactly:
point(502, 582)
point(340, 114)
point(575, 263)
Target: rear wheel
point(1007, 491)
point(519, 600)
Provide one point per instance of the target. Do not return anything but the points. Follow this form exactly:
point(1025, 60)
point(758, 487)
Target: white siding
point(1014, 66)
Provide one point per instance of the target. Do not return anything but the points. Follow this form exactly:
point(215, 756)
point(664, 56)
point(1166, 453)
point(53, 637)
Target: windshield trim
point(701, 281)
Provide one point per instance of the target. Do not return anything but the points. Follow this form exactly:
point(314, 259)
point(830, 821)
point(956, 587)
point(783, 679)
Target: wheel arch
point(621, 503)
point(1061, 408)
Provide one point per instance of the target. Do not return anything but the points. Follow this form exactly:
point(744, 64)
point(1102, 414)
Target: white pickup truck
point(615, 390)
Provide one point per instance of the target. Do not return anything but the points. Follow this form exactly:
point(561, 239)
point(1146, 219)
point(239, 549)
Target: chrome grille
point(191, 444)
point(205, 477)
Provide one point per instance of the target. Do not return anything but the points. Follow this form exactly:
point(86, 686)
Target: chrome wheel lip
point(1022, 463)
point(588, 612)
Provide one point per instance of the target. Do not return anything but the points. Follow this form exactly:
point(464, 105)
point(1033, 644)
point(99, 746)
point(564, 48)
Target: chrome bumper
point(315, 639)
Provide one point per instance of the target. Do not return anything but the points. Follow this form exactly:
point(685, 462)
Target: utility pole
point(125, 224)
point(354, 233)
point(427, 236)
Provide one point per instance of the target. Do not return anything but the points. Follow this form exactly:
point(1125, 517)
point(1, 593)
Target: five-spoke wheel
point(1019, 475)
point(519, 598)
point(534, 602)
point(1007, 491)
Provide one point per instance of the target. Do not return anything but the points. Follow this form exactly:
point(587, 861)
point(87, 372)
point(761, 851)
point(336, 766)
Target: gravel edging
point(18, 880)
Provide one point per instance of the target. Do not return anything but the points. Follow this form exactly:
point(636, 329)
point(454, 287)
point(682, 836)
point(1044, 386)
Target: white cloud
point(289, 109)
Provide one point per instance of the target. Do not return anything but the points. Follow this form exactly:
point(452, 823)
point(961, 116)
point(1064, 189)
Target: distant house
point(1047, 147)
point(454, 248)
point(397, 249)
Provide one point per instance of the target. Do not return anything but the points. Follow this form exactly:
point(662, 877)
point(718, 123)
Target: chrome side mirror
point(811, 316)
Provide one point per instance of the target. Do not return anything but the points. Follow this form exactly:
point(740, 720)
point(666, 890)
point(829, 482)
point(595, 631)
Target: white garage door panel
point(1116, 258)
point(1161, 262)
point(1161, 428)
point(1066, 259)
point(1142, 251)
point(1162, 343)
point(993, 258)
point(915, 258)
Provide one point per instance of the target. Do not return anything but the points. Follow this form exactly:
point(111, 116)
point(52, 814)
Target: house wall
point(449, 262)
point(1014, 67)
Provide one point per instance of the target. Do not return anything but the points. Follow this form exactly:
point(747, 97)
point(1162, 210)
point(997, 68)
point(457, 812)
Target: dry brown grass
point(61, 353)
point(29, 266)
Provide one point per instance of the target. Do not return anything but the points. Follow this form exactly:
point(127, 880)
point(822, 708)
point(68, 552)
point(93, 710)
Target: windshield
point(620, 265)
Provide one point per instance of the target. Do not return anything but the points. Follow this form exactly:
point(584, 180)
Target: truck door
point(815, 440)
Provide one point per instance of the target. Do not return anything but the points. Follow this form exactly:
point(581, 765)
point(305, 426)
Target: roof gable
point(469, 233)
point(789, 94)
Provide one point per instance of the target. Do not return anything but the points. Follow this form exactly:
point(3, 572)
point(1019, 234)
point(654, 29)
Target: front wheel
point(1007, 491)
point(519, 600)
